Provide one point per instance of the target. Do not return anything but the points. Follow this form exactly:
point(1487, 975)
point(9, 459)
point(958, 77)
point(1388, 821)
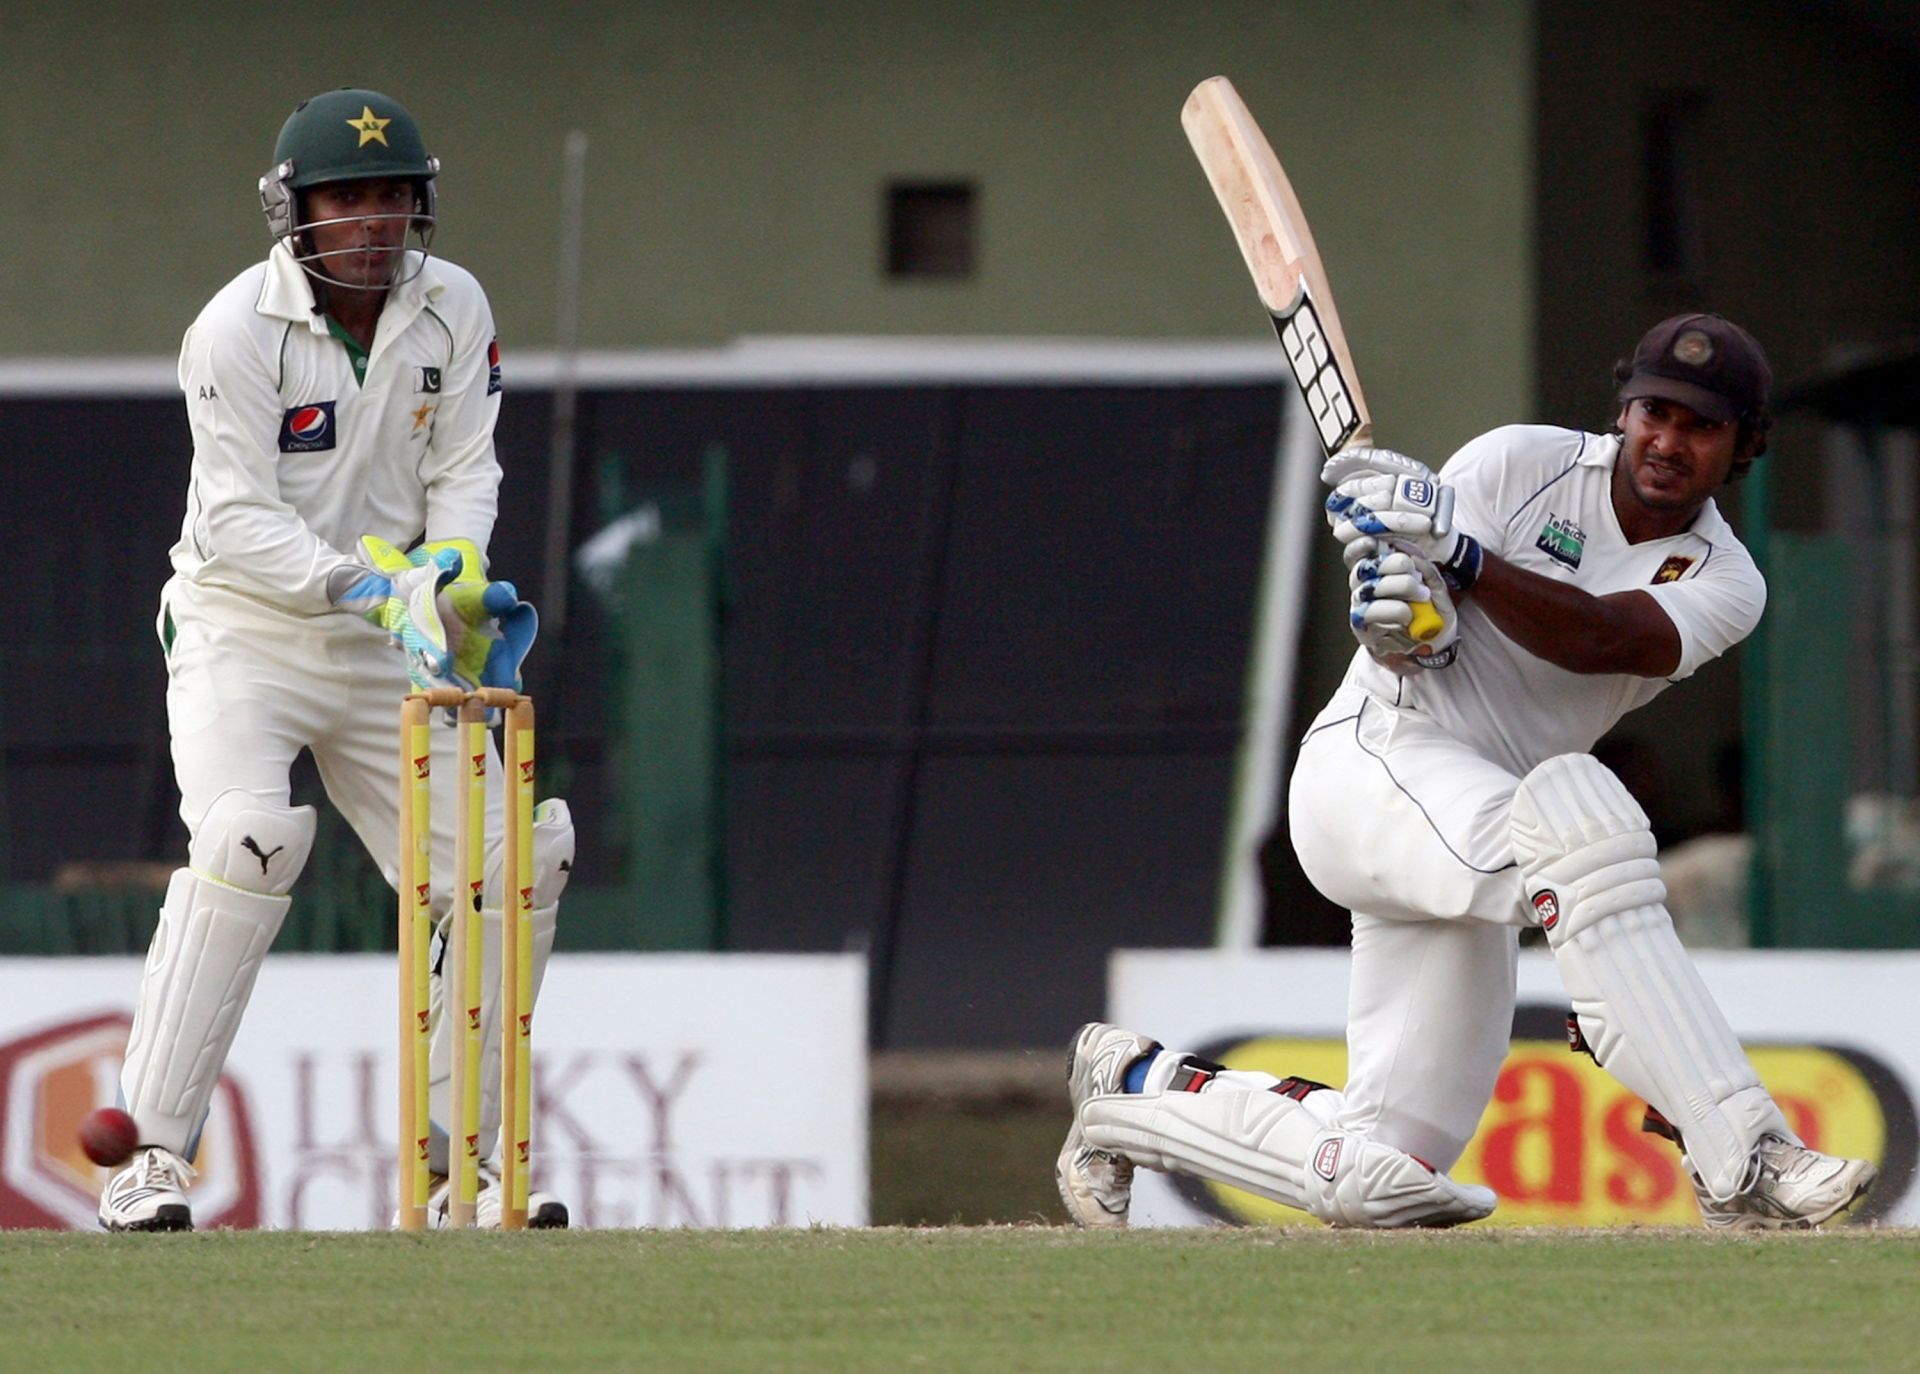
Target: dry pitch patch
point(985, 1298)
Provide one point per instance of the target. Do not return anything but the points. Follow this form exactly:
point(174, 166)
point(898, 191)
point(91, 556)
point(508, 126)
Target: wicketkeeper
point(342, 397)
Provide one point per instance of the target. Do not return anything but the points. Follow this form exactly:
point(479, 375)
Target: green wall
point(1805, 197)
point(738, 151)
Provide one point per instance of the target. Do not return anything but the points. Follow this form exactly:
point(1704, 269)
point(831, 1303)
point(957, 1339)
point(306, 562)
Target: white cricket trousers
point(249, 686)
point(1408, 829)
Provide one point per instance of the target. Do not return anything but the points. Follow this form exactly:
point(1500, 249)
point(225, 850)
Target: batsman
point(1449, 797)
point(342, 397)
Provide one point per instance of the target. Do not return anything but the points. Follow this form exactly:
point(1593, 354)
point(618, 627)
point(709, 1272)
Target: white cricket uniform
point(1400, 798)
point(296, 455)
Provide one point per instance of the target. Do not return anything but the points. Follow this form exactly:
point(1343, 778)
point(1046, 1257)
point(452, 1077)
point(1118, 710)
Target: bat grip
point(1426, 622)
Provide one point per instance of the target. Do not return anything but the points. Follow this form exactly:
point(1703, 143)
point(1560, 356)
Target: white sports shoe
point(1792, 1188)
point(545, 1212)
point(150, 1194)
point(1096, 1186)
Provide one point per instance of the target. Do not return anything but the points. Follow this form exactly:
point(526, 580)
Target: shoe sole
point(169, 1217)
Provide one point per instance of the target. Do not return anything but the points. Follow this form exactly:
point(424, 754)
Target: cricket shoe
point(545, 1212)
point(1096, 1185)
point(150, 1194)
point(1791, 1188)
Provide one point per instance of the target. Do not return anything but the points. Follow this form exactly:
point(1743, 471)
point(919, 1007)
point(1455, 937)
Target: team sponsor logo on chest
point(1672, 570)
point(307, 428)
point(1562, 540)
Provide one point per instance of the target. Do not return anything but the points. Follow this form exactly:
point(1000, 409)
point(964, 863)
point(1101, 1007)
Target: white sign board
point(1836, 1036)
point(704, 1090)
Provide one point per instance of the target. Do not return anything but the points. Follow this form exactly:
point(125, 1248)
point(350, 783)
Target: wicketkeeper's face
point(356, 231)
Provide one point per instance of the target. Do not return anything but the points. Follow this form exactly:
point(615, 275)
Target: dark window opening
point(1671, 169)
point(930, 230)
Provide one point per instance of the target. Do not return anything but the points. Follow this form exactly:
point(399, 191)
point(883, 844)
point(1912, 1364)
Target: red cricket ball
point(109, 1136)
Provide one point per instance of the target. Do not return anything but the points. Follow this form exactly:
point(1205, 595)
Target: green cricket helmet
point(345, 135)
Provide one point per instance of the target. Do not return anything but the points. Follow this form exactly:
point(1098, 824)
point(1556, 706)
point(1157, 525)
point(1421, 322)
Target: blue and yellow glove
point(489, 628)
point(402, 596)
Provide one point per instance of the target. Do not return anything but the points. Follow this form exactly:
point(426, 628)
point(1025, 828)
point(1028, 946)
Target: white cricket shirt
point(295, 455)
point(1541, 498)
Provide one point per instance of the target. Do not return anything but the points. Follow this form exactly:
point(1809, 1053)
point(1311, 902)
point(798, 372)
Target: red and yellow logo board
point(1561, 1142)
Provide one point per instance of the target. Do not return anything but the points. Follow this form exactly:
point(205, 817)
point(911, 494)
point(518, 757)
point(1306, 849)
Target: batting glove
point(1387, 496)
point(1384, 590)
point(1352, 462)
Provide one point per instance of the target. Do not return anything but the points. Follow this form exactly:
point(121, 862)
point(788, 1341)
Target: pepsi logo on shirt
point(308, 428)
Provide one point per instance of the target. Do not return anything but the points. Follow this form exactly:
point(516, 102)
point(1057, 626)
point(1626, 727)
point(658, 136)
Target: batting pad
point(1352, 1180)
point(1258, 1141)
point(200, 969)
point(1586, 851)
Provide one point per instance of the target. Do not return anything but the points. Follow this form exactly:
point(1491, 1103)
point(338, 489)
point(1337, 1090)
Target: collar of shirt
point(1602, 453)
point(287, 292)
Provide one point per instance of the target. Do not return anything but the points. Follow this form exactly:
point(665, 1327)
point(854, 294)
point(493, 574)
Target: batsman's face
point(1673, 458)
point(358, 229)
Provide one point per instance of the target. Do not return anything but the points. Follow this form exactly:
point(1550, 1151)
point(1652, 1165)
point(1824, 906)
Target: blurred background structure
point(917, 421)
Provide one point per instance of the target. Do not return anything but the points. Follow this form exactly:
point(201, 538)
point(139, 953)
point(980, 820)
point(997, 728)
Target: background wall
point(738, 155)
point(1792, 191)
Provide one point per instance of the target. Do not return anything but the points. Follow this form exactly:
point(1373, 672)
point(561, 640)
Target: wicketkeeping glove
point(489, 628)
point(402, 598)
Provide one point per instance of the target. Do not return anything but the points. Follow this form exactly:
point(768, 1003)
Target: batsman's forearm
point(1624, 632)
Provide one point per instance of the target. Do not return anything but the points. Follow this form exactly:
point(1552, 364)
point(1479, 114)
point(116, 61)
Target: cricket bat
point(1272, 232)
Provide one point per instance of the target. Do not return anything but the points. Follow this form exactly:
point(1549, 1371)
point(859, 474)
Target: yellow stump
point(461, 982)
point(464, 969)
point(516, 970)
point(413, 938)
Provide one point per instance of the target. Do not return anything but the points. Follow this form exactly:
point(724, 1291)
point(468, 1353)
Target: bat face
point(1278, 247)
point(1333, 399)
point(1272, 232)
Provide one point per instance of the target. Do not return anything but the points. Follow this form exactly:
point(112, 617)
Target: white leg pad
point(200, 970)
point(1354, 1180)
point(1283, 1149)
point(216, 925)
point(247, 842)
point(1586, 851)
point(544, 925)
point(553, 845)
point(1259, 1141)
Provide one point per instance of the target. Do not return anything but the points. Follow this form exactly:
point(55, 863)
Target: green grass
point(1008, 1298)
